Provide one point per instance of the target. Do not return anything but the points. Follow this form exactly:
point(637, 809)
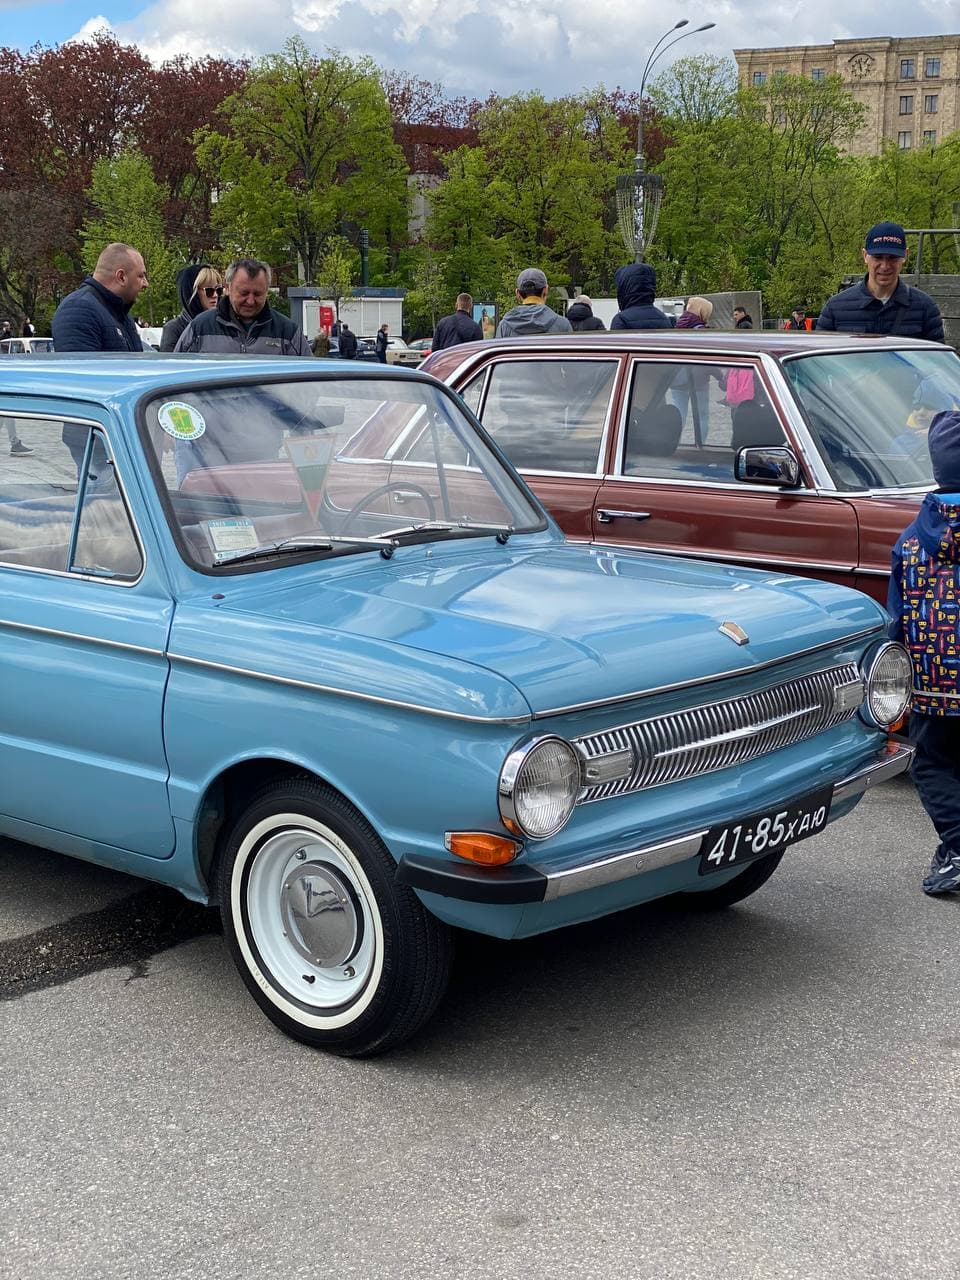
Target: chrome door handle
point(606, 514)
point(400, 496)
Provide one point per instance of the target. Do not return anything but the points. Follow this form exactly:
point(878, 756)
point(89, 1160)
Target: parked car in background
point(296, 641)
point(397, 351)
point(423, 345)
point(25, 346)
point(803, 452)
point(367, 350)
point(151, 336)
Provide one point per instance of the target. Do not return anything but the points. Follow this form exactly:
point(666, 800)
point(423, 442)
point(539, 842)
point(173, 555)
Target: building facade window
point(779, 74)
point(818, 74)
point(908, 68)
point(906, 104)
point(759, 78)
point(905, 141)
point(931, 67)
point(929, 137)
point(930, 101)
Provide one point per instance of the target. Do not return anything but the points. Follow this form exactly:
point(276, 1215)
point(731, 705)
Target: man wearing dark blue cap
point(882, 302)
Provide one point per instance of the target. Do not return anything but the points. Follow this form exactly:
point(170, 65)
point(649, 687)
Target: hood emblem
point(733, 632)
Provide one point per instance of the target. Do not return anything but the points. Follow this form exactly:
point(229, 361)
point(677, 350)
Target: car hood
point(498, 632)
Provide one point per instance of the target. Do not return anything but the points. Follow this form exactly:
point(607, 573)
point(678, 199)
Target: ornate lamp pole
point(640, 194)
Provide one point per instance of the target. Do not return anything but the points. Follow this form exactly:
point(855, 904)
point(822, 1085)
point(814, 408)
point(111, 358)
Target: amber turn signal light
point(483, 847)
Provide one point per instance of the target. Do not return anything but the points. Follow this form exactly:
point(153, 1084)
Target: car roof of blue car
point(126, 375)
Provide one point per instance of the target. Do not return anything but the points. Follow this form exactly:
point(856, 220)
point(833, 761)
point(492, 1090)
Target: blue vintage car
point(295, 639)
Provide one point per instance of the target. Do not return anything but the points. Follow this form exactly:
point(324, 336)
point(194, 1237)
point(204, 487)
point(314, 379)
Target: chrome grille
point(699, 740)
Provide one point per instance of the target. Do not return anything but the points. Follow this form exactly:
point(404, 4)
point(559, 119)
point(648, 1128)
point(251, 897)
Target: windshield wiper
point(502, 531)
point(385, 544)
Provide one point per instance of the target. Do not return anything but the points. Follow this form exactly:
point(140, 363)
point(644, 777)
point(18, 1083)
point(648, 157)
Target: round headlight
point(888, 674)
point(539, 785)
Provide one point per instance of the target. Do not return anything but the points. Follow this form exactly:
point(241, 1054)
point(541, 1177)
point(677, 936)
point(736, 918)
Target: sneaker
point(19, 450)
point(944, 873)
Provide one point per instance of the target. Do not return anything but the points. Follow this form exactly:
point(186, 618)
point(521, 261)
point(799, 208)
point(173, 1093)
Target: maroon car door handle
point(606, 514)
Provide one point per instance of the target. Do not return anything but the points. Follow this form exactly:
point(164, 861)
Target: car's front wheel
point(741, 886)
point(335, 953)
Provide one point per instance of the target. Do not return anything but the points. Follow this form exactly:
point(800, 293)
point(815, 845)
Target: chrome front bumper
point(529, 883)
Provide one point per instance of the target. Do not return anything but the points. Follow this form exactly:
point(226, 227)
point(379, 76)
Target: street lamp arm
point(655, 55)
point(682, 23)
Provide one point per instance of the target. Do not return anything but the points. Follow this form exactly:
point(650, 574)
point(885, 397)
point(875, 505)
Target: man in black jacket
point(383, 341)
point(459, 327)
point(881, 302)
point(96, 317)
point(348, 342)
point(636, 286)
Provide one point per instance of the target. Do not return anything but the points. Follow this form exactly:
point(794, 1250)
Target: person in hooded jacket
point(636, 289)
point(924, 601)
point(581, 317)
point(200, 288)
point(532, 316)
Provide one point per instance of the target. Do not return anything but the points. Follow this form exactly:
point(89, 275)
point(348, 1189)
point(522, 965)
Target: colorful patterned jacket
point(924, 600)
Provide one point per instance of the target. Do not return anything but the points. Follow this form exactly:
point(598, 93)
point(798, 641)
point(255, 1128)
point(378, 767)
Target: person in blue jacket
point(924, 601)
point(96, 317)
point(636, 288)
point(882, 302)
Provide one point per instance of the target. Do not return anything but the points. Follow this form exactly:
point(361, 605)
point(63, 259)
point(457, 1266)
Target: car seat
point(754, 426)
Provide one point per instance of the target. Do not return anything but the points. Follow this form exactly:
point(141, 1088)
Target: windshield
point(325, 466)
point(869, 412)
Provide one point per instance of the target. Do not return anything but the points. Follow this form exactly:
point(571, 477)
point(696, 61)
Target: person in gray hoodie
point(532, 315)
point(636, 288)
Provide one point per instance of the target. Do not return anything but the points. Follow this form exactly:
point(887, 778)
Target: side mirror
point(768, 464)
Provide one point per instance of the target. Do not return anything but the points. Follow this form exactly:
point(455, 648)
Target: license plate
point(765, 832)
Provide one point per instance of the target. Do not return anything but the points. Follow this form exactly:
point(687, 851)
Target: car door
point(551, 415)
point(84, 618)
point(673, 487)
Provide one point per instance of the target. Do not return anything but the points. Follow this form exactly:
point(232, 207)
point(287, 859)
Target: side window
point(48, 520)
point(471, 394)
point(687, 421)
point(548, 415)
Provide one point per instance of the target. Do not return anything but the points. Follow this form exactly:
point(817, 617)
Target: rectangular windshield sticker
point(310, 456)
point(230, 536)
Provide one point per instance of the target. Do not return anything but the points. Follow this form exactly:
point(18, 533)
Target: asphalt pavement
point(762, 1092)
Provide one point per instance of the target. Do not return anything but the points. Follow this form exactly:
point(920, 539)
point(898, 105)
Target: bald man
point(96, 317)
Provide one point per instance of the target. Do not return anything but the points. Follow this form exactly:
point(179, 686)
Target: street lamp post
point(640, 194)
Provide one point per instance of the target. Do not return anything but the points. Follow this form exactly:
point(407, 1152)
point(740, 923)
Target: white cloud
point(475, 46)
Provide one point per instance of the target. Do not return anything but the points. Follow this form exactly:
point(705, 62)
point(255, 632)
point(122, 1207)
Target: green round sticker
point(182, 421)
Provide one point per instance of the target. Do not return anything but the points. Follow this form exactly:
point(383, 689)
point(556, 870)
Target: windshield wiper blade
point(306, 544)
point(503, 531)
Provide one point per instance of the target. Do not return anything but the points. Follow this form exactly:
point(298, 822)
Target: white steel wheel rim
point(323, 986)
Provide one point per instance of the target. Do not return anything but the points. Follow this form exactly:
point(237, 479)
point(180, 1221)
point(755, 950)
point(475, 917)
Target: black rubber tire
point(412, 956)
point(750, 879)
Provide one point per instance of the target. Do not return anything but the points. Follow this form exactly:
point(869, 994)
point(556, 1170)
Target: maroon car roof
point(743, 342)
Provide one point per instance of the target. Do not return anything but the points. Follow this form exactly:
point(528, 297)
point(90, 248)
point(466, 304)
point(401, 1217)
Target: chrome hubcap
point(320, 914)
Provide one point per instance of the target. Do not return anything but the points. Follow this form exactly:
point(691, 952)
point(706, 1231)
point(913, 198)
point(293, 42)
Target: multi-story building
point(909, 86)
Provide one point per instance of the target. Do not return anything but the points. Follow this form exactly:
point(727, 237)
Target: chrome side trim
point(621, 866)
point(694, 553)
point(877, 630)
point(636, 862)
point(313, 687)
point(887, 766)
point(78, 635)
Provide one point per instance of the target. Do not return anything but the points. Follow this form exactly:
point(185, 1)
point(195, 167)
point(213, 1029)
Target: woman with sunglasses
point(200, 287)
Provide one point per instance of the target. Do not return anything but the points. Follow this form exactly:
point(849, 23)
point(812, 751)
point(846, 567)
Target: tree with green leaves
point(307, 146)
point(129, 205)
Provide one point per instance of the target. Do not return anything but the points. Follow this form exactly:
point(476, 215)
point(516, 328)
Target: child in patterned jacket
point(924, 600)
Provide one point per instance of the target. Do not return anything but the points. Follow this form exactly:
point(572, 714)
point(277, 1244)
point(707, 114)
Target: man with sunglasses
point(243, 322)
point(200, 288)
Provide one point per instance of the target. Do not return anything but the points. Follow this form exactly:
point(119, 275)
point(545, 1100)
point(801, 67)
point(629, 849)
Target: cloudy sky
point(473, 46)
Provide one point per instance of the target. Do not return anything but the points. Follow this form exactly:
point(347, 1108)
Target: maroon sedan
point(797, 452)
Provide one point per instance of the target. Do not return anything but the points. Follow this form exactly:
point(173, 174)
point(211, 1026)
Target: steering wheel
point(406, 486)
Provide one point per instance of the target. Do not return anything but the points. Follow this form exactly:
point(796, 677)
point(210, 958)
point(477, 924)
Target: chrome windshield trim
point(79, 636)
point(878, 630)
point(251, 674)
